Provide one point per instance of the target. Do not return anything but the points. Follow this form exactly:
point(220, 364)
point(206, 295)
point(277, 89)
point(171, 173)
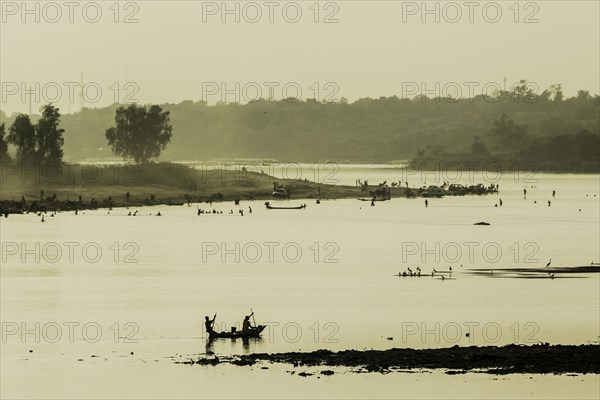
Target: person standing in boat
point(208, 323)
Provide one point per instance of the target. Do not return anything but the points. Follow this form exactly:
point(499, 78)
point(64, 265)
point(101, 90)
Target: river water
point(101, 304)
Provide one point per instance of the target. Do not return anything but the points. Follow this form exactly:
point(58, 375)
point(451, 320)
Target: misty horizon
point(405, 43)
point(221, 93)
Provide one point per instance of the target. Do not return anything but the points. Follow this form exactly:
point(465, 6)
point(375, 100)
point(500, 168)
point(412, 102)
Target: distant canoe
point(270, 207)
point(250, 333)
point(363, 199)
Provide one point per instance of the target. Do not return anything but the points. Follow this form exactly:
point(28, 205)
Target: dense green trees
point(383, 129)
point(366, 130)
point(22, 135)
point(140, 133)
point(583, 146)
point(3, 145)
point(39, 144)
point(510, 135)
point(49, 137)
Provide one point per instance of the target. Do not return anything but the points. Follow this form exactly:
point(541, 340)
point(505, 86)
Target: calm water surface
point(322, 277)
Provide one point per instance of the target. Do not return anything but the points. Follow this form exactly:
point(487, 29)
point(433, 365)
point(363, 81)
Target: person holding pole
point(246, 326)
point(208, 323)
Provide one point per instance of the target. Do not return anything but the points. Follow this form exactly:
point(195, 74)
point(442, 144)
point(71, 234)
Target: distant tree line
point(507, 124)
point(516, 147)
point(515, 139)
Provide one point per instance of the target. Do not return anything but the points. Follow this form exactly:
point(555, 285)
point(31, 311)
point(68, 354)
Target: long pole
point(252, 313)
point(213, 321)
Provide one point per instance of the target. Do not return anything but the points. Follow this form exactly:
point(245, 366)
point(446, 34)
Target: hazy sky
point(183, 50)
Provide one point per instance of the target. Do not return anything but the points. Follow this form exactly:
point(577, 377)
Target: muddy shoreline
point(80, 187)
point(93, 198)
point(512, 359)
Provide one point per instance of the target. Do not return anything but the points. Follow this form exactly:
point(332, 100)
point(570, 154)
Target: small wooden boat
point(234, 334)
point(374, 199)
point(270, 207)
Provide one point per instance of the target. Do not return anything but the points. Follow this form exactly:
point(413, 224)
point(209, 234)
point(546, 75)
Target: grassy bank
point(77, 186)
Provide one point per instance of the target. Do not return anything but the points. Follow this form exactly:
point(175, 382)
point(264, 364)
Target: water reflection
point(248, 344)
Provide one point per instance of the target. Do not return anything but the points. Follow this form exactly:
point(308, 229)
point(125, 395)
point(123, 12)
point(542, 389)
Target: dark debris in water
point(244, 362)
point(201, 361)
point(512, 359)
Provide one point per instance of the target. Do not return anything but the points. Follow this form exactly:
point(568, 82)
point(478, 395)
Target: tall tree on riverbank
point(22, 135)
point(41, 143)
point(3, 146)
point(140, 133)
point(49, 137)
